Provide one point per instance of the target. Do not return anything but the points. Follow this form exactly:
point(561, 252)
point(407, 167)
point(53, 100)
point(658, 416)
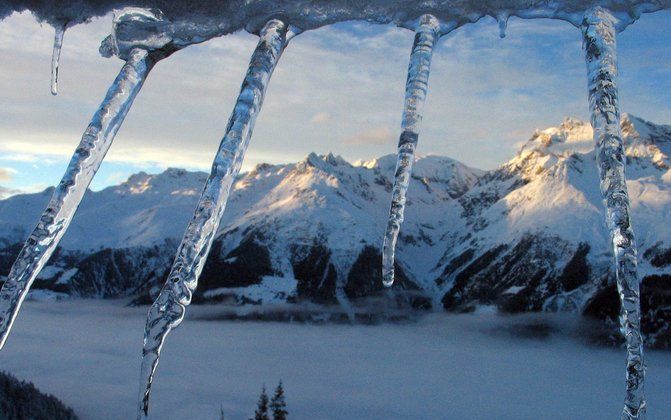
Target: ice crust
point(194, 22)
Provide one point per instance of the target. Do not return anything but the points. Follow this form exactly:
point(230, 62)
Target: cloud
point(6, 192)
point(36, 150)
point(378, 135)
point(19, 157)
point(6, 174)
point(116, 177)
point(335, 88)
point(320, 118)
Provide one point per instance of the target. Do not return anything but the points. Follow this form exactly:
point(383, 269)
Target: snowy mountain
point(535, 236)
point(527, 236)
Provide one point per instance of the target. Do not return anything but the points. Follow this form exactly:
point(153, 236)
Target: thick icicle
point(427, 34)
point(502, 20)
point(600, 54)
point(56, 55)
point(168, 310)
point(55, 220)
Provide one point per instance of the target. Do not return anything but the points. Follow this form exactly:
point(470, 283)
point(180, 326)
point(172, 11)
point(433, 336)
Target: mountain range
point(527, 236)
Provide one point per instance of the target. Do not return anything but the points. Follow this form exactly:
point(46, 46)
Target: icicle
point(168, 310)
point(55, 57)
point(600, 54)
point(415, 93)
point(502, 19)
point(68, 194)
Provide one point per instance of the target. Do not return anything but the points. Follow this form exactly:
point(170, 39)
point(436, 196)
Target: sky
point(337, 89)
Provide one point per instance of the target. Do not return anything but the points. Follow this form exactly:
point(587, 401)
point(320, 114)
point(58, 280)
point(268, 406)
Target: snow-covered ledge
point(218, 17)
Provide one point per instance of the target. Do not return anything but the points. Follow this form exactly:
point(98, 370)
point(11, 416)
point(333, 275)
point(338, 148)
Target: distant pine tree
point(221, 413)
point(261, 412)
point(20, 400)
point(278, 405)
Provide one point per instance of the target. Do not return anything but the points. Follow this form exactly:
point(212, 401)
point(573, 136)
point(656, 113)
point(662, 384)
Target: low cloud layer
point(375, 136)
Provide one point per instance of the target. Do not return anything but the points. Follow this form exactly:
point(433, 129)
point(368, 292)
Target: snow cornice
point(226, 16)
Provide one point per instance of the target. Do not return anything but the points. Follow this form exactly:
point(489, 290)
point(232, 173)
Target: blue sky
point(337, 89)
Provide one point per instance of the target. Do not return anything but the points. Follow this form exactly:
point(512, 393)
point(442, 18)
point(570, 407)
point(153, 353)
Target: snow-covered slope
point(141, 211)
point(529, 235)
point(535, 235)
point(309, 221)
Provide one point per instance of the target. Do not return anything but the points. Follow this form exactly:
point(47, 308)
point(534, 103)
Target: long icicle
point(168, 310)
point(56, 55)
point(600, 54)
point(426, 36)
point(86, 160)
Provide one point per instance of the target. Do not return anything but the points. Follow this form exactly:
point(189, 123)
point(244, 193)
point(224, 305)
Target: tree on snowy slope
point(20, 400)
point(278, 405)
point(261, 412)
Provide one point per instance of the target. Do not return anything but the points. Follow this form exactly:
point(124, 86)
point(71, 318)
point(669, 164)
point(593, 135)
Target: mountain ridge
point(527, 236)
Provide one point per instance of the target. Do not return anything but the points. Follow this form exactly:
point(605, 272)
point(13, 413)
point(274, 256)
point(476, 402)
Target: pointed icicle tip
point(56, 55)
point(387, 272)
point(502, 20)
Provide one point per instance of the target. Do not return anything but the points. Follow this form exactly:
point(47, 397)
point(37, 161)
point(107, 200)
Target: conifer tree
point(278, 405)
point(261, 412)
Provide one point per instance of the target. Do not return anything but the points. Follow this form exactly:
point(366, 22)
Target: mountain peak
point(382, 162)
point(636, 127)
point(168, 181)
point(320, 161)
point(136, 183)
point(571, 136)
point(174, 172)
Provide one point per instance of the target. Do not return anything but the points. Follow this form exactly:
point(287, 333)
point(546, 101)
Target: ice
point(58, 44)
point(502, 20)
point(67, 196)
point(135, 27)
point(599, 34)
point(168, 310)
point(195, 22)
point(415, 94)
point(143, 36)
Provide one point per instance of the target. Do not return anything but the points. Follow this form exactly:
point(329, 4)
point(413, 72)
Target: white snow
point(325, 198)
point(200, 21)
point(144, 210)
point(562, 187)
point(514, 289)
point(49, 272)
point(465, 367)
point(271, 290)
point(66, 276)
